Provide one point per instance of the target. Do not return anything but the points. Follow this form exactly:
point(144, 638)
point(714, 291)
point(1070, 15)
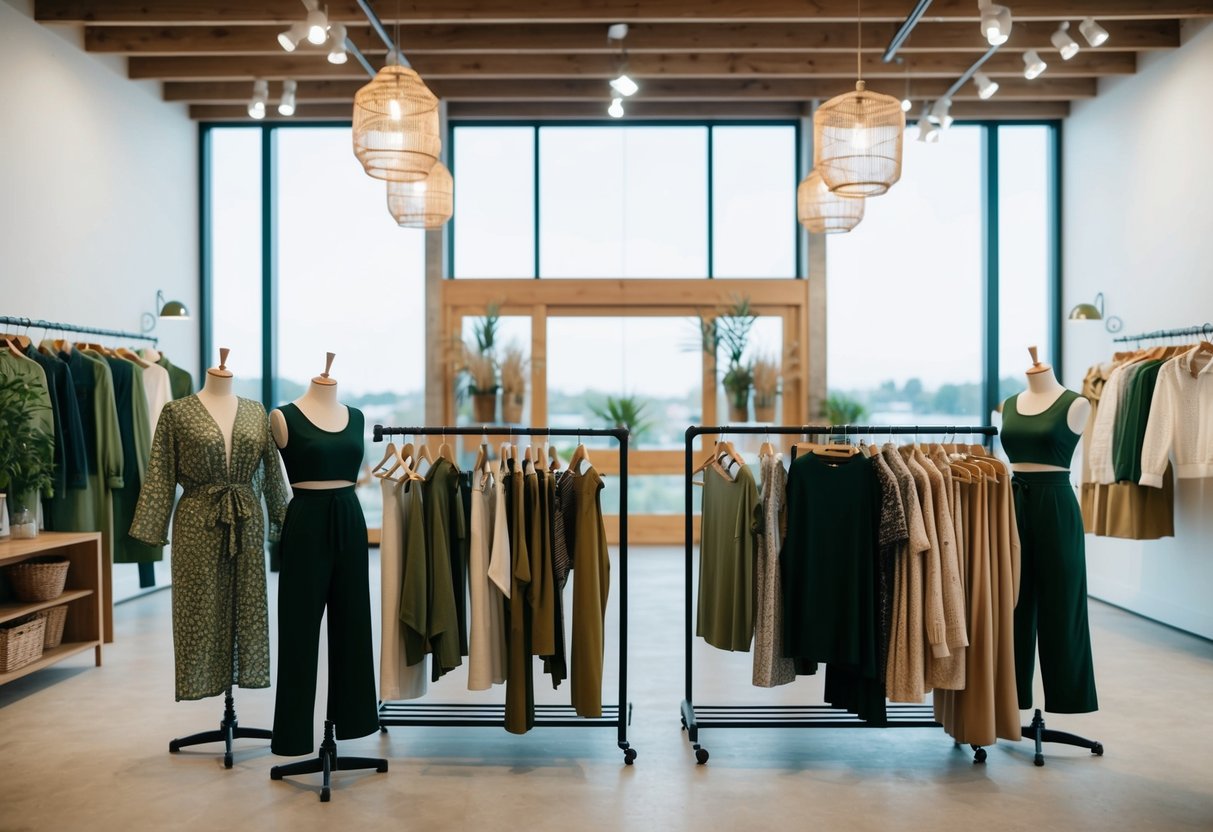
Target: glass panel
point(648, 494)
point(623, 202)
point(905, 293)
point(591, 359)
point(754, 201)
point(1023, 252)
point(235, 180)
point(351, 282)
point(494, 225)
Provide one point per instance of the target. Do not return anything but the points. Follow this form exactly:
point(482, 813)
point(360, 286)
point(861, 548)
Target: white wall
point(98, 188)
point(1138, 226)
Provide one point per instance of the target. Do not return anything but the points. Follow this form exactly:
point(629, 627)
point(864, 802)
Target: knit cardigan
point(1181, 421)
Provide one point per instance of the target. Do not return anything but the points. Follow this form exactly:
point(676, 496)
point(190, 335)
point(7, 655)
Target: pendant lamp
point(857, 139)
point(396, 135)
point(822, 212)
point(427, 203)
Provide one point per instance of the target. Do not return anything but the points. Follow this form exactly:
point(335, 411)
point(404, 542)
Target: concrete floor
point(85, 748)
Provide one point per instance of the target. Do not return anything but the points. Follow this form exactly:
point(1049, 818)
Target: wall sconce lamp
point(1095, 312)
point(172, 309)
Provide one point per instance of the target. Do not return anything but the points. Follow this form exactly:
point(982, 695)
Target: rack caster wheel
point(382, 767)
point(173, 747)
point(275, 774)
point(1038, 760)
point(979, 755)
point(1097, 749)
point(382, 729)
point(629, 756)
point(701, 755)
point(684, 723)
point(325, 795)
point(227, 760)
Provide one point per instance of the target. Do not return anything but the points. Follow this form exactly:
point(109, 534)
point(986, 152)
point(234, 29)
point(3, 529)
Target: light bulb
point(317, 26)
point(906, 105)
point(419, 186)
point(1033, 65)
point(861, 137)
point(624, 85)
point(1095, 34)
point(1066, 45)
point(337, 53)
point(616, 108)
point(996, 23)
point(393, 108)
point(986, 87)
point(289, 39)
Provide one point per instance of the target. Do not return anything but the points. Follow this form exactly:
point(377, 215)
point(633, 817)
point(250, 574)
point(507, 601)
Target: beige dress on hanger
point(486, 635)
point(397, 679)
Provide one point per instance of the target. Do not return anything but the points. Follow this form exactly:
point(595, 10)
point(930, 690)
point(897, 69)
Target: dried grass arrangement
point(766, 387)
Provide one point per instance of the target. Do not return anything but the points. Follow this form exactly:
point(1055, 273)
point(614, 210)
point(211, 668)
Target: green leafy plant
point(485, 330)
point(624, 412)
point(26, 464)
point(843, 410)
point(478, 364)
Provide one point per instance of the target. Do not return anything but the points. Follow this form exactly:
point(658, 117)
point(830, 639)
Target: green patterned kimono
point(218, 559)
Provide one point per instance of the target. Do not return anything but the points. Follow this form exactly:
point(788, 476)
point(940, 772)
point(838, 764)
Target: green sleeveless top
point(1044, 438)
point(312, 453)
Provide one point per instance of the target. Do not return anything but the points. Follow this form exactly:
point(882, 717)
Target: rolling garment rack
point(464, 715)
point(1203, 330)
point(30, 323)
point(697, 716)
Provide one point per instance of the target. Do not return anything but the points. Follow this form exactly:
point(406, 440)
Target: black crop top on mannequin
point(315, 454)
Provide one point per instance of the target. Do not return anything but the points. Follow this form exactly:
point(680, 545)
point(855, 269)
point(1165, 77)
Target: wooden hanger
point(131, 355)
point(554, 466)
point(482, 455)
point(11, 343)
point(1202, 349)
point(423, 452)
point(579, 455)
point(445, 452)
point(839, 450)
point(388, 453)
point(541, 459)
point(766, 449)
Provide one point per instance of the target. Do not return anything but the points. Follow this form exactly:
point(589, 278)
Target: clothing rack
point(1205, 330)
point(464, 715)
point(696, 716)
point(29, 323)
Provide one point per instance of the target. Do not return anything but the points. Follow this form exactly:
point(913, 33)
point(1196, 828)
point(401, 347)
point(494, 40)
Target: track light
point(1066, 45)
point(291, 37)
point(1033, 64)
point(927, 132)
point(317, 23)
point(986, 86)
point(995, 22)
point(616, 108)
point(286, 106)
point(940, 113)
point(261, 95)
point(906, 105)
point(624, 85)
point(1095, 34)
point(337, 51)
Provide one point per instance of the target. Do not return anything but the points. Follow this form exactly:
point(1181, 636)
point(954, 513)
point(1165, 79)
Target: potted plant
point(766, 388)
point(730, 331)
point(513, 383)
point(624, 412)
point(480, 367)
point(26, 453)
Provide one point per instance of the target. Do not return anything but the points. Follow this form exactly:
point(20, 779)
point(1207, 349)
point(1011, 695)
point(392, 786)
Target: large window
point(625, 201)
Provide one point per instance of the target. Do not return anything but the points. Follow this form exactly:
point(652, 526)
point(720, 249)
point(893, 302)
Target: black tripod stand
point(1041, 734)
point(229, 729)
point(327, 761)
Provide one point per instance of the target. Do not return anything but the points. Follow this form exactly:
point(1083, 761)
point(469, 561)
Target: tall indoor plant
point(624, 412)
point(480, 366)
point(730, 332)
point(26, 452)
point(513, 383)
point(766, 387)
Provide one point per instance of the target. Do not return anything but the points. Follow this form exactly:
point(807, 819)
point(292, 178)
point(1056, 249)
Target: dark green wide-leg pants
point(1052, 608)
point(324, 564)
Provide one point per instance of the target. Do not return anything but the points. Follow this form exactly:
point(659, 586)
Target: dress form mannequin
point(319, 404)
point(1043, 390)
point(217, 397)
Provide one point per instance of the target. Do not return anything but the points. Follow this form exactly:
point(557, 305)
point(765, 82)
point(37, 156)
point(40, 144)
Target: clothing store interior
point(483, 414)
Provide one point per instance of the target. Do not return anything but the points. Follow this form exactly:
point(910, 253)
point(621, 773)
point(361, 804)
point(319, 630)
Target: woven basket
point(55, 618)
point(38, 580)
point(21, 643)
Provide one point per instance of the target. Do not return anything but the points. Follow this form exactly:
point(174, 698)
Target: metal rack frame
point(30, 323)
point(695, 717)
point(467, 715)
point(1205, 330)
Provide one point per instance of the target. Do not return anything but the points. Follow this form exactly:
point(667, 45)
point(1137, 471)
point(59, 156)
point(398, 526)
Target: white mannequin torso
point(217, 397)
point(1043, 391)
point(319, 404)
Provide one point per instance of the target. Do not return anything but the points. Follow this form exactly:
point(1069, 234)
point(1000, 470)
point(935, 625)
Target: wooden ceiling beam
point(203, 12)
point(710, 65)
point(342, 92)
point(1133, 35)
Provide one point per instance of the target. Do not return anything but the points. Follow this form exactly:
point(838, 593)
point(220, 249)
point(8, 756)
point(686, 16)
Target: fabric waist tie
point(233, 504)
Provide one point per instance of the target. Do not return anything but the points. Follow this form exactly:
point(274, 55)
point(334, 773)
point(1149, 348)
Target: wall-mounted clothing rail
point(556, 716)
point(1204, 330)
point(695, 717)
point(30, 323)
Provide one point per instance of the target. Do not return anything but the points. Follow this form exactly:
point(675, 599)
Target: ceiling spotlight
point(986, 86)
point(616, 108)
point(1033, 65)
point(927, 132)
point(261, 94)
point(940, 113)
point(286, 106)
point(1066, 45)
point(337, 50)
point(1095, 34)
point(317, 22)
point(995, 22)
point(624, 85)
point(291, 37)
point(617, 31)
point(906, 105)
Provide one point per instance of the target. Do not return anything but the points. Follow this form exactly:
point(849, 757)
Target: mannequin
point(217, 397)
point(1043, 390)
point(319, 404)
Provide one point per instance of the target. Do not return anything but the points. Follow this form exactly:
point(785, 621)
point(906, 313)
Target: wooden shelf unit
point(86, 594)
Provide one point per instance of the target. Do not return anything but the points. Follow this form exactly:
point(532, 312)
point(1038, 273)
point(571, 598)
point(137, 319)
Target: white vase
point(3, 517)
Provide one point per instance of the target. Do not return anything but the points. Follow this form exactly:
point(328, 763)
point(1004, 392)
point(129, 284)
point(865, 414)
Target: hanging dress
point(771, 667)
point(486, 635)
point(591, 584)
point(397, 678)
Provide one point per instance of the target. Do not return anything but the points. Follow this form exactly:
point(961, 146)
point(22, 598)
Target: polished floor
point(85, 748)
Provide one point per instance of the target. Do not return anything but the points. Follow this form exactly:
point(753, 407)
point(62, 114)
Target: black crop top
point(312, 453)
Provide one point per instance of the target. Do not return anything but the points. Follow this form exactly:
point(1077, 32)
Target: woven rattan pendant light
point(857, 139)
point(822, 212)
point(396, 134)
point(427, 203)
